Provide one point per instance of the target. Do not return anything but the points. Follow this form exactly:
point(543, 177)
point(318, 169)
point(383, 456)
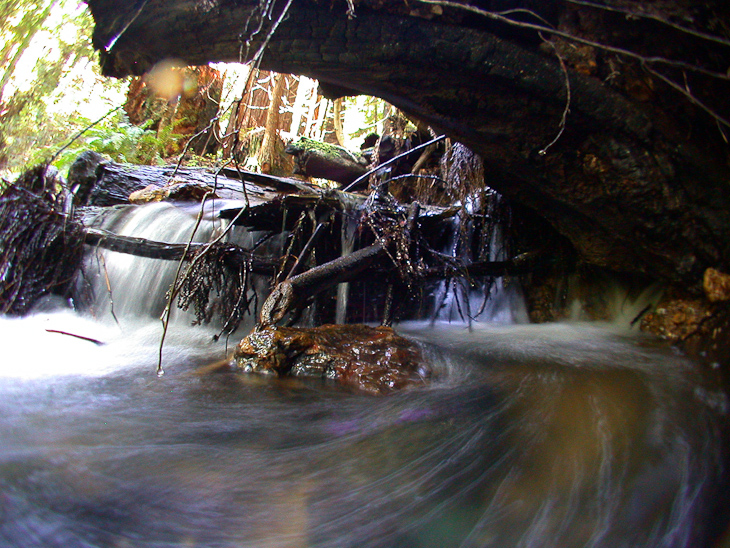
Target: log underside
point(635, 185)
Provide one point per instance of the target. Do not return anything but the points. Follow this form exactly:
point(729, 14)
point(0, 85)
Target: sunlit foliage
point(51, 86)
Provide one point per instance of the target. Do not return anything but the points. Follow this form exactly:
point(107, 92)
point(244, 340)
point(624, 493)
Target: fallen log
point(615, 159)
point(151, 249)
point(281, 212)
point(295, 291)
point(521, 265)
point(326, 161)
point(102, 183)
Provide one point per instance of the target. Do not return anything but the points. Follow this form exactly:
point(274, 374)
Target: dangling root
point(41, 248)
point(214, 271)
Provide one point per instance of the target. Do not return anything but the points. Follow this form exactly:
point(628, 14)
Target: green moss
point(305, 144)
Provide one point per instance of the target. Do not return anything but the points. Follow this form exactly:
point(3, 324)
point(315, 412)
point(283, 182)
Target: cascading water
point(126, 288)
point(494, 300)
point(133, 287)
point(561, 435)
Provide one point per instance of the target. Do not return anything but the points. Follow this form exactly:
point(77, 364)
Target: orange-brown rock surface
point(372, 359)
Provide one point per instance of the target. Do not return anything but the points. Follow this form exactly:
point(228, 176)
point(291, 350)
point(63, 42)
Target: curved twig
point(564, 118)
point(658, 19)
point(691, 98)
point(643, 60)
point(562, 34)
point(80, 133)
point(364, 176)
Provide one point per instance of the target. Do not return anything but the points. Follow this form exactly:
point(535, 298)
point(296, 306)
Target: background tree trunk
point(337, 118)
point(270, 157)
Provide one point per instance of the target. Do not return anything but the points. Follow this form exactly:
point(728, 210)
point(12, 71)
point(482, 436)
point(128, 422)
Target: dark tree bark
point(107, 183)
point(638, 178)
point(165, 251)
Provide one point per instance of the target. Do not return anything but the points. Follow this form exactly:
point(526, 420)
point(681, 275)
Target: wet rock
point(696, 325)
point(716, 285)
point(372, 359)
point(677, 316)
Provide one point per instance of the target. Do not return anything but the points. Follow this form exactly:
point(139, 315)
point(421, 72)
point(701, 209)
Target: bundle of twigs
point(40, 246)
point(216, 284)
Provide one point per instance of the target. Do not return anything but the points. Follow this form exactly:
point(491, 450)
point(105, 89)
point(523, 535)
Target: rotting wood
point(636, 181)
point(151, 249)
point(109, 183)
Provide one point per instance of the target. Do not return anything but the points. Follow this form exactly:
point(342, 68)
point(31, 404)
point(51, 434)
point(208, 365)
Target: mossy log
point(326, 161)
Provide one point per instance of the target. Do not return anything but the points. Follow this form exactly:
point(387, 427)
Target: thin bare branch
point(684, 90)
point(619, 51)
point(364, 176)
point(80, 133)
point(527, 12)
point(257, 56)
point(97, 342)
point(564, 118)
point(108, 288)
point(645, 61)
point(658, 19)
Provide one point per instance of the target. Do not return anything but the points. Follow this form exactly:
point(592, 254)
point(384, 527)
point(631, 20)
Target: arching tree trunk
point(607, 129)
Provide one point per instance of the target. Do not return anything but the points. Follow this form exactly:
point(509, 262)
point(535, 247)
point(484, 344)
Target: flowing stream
point(562, 435)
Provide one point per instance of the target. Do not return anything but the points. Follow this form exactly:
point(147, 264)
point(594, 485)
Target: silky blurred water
point(562, 435)
point(535, 436)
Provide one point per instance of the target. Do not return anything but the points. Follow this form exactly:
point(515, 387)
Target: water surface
point(532, 436)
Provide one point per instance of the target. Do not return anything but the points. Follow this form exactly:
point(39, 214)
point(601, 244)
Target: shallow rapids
point(533, 436)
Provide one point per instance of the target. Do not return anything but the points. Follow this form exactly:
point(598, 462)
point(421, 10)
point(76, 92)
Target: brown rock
point(676, 317)
point(372, 359)
point(716, 285)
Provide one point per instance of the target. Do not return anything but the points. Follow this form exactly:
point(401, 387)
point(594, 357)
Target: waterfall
point(126, 289)
point(602, 297)
point(115, 287)
point(478, 233)
point(129, 287)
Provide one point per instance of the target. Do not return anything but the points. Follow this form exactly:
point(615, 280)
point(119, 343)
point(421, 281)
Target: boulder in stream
point(375, 360)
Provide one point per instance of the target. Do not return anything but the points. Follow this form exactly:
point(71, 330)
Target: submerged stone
point(371, 359)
